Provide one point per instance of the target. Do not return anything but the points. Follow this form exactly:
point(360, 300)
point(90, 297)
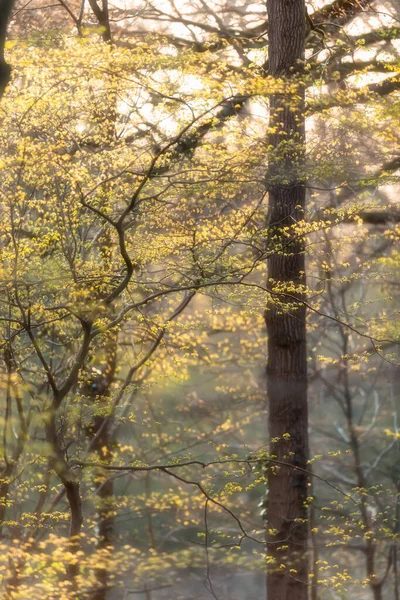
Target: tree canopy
point(184, 198)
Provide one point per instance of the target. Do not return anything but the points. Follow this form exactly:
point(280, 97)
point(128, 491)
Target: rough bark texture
point(287, 527)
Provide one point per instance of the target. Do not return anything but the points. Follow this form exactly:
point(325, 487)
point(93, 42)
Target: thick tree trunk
point(287, 527)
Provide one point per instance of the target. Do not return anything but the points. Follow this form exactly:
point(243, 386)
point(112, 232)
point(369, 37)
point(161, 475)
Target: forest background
point(141, 151)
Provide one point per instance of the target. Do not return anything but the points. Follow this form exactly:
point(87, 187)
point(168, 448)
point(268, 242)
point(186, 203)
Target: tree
point(287, 524)
point(133, 250)
point(5, 71)
point(72, 288)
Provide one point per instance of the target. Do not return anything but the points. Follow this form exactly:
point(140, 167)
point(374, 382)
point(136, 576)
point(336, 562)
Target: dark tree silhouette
point(5, 69)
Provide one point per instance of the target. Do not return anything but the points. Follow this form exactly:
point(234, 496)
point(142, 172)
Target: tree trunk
point(287, 527)
point(5, 69)
point(72, 490)
point(100, 438)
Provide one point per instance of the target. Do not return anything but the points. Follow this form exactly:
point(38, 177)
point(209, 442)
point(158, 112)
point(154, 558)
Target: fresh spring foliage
point(134, 242)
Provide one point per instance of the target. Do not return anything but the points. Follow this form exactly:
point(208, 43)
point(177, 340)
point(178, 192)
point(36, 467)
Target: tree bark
point(287, 527)
point(102, 15)
point(72, 490)
point(5, 69)
point(100, 438)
